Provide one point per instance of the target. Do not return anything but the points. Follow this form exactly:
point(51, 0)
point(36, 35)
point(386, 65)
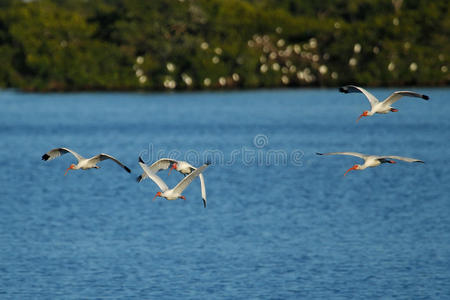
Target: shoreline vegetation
point(119, 45)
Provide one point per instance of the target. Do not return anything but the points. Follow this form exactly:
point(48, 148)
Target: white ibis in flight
point(83, 163)
point(378, 107)
point(183, 167)
point(372, 160)
point(174, 193)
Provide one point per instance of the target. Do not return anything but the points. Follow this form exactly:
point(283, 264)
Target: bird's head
point(72, 166)
point(364, 114)
point(174, 167)
point(355, 167)
point(158, 194)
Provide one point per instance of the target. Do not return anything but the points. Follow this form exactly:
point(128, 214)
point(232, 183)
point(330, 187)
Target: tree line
point(218, 44)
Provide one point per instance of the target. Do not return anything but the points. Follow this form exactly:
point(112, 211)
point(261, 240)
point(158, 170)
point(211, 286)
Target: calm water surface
point(281, 222)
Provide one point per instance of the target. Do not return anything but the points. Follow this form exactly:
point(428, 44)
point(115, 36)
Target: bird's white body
point(380, 107)
point(371, 161)
point(83, 163)
point(183, 167)
point(174, 193)
point(170, 195)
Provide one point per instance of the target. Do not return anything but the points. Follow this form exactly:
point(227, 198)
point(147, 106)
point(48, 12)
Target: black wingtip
point(318, 153)
point(45, 156)
point(204, 203)
point(425, 97)
point(208, 162)
point(139, 178)
point(419, 161)
point(140, 160)
point(127, 169)
point(343, 90)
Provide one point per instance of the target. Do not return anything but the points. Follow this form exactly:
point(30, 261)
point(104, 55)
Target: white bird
point(83, 163)
point(371, 160)
point(183, 167)
point(378, 107)
point(174, 193)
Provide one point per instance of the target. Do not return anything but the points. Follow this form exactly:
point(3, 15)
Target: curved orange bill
point(67, 170)
point(362, 115)
point(352, 168)
point(155, 197)
point(173, 167)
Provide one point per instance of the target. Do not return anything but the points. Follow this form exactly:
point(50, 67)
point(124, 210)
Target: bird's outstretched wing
point(395, 96)
point(360, 155)
point(161, 164)
point(356, 89)
point(179, 188)
point(156, 179)
point(203, 188)
point(103, 156)
point(407, 159)
point(54, 153)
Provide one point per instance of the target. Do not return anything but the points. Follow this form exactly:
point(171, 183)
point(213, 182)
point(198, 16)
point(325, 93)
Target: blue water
point(281, 222)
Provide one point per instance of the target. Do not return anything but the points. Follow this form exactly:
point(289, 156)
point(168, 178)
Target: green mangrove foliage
point(212, 44)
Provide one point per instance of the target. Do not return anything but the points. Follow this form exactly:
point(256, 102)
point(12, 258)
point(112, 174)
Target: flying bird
point(371, 160)
point(378, 107)
point(183, 167)
point(83, 163)
point(174, 193)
